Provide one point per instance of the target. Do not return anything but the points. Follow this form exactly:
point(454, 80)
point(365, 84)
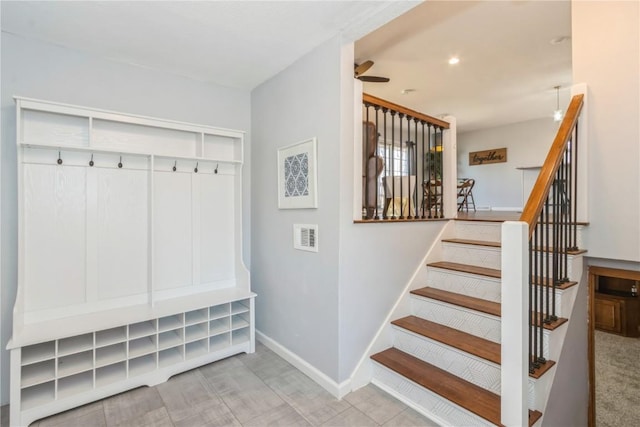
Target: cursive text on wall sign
point(495, 155)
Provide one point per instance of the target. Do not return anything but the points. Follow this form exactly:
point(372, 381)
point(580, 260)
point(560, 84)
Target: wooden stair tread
point(465, 268)
point(460, 340)
point(499, 245)
point(473, 242)
point(468, 343)
point(546, 281)
point(477, 304)
point(472, 303)
point(473, 398)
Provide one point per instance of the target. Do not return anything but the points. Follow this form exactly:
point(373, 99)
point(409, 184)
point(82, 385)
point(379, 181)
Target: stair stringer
point(363, 372)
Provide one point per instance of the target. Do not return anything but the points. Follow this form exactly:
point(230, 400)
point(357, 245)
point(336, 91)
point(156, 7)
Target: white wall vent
point(305, 237)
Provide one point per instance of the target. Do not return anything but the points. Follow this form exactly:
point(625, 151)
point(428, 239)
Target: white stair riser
point(547, 260)
point(470, 368)
point(478, 230)
point(470, 321)
point(491, 231)
point(563, 299)
point(487, 288)
point(539, 388)
point(476, 370)
point(443, 411)
point(481, 256)
point(578, 237)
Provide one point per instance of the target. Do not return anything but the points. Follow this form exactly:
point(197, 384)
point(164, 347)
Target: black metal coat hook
point(91, 161)
point(59, 158)
point(196, 169)
point(120, 163)
point(175, 166)
point(216, 169)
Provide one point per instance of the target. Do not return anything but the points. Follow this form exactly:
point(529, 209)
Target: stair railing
point(551, 213)
point(403, 165)
point(535, 262)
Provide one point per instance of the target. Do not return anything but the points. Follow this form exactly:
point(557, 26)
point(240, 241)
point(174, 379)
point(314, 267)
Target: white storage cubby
point(130, 258)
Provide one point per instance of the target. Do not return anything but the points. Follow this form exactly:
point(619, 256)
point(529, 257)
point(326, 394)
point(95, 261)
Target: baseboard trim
point(336, 390)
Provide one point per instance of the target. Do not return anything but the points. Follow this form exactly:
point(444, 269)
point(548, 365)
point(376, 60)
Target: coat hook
point(175, 166)
point(59, 158)
point(216, 169)
point(120, 163)
point(196, 169)
point(91, 161)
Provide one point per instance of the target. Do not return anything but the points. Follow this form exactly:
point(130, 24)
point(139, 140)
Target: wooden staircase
point(445, 359)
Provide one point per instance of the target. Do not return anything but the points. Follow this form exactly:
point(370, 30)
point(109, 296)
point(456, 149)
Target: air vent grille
point(305, 237)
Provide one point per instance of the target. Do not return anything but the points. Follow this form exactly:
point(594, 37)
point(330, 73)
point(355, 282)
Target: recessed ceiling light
point(454, 60)
point(407, 91)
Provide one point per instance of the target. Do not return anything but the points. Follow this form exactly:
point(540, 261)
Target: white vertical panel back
point(217, 226)
point(54, 129)
point(122, 232)
point(55, 245)
point(172, 245)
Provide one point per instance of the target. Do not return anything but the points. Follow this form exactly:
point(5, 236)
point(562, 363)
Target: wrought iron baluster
point(416, 171)
point(425, 182)
point(385, 112)
point(378, 176)
point(393, 162)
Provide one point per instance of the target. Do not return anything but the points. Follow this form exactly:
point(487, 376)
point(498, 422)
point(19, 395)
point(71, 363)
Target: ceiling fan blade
point(359, 69)
point(374, 79)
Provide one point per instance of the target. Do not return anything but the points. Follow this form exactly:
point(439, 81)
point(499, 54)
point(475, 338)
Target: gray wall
point(376, 260)
point(500, 184)
point(297, 302)
point(324, 307)
point(45, 71)
point(568, 399)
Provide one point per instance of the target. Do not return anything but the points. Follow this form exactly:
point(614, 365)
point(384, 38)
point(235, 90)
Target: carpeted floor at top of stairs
point(617, 380)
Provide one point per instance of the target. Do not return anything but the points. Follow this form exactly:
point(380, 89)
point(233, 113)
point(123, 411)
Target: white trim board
point(336, 390)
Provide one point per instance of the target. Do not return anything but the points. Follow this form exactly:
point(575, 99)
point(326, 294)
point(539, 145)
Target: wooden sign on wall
point(495, 155)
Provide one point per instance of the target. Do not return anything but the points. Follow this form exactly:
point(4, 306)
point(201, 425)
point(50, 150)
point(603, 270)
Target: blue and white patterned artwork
point(296, 175)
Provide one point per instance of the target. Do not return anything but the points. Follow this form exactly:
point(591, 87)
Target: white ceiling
point(232, 43)
point(507, 71)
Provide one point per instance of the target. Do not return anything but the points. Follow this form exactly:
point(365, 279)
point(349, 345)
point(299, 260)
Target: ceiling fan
point(360, 69)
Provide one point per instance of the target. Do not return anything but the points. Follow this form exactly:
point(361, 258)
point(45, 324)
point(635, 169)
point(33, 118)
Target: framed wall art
point(297, 175)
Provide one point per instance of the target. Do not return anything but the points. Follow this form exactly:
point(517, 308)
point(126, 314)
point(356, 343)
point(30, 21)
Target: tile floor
point(259, 389)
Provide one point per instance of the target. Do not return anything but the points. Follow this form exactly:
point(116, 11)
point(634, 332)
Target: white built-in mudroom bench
point(129, 254)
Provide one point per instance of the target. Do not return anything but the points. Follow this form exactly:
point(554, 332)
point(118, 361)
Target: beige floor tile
point(216, 415)
point(132, 405)
point(87, 415)
point(410, 418)
point(283, 415)
point(307, 397)
point(265, 363)
point(377, 404)
point(350, 418)
point(155, 418)
point(241, 390)
point(186, 394)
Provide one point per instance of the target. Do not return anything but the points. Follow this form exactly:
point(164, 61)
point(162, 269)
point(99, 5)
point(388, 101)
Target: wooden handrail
point(541, 189)
point(400, 109)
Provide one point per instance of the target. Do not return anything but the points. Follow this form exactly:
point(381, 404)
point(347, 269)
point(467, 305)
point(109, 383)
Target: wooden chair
point(465, 194)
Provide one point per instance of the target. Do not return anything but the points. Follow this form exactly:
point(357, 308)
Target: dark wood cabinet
point(616, 307)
